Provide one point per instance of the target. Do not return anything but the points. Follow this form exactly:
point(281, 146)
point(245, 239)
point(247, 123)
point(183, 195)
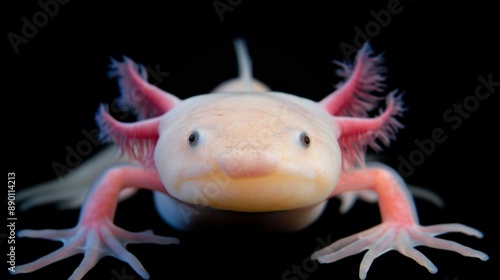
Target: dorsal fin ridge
point(245, 81)
point(244, 63)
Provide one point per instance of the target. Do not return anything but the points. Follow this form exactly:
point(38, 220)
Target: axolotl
point(245, 154)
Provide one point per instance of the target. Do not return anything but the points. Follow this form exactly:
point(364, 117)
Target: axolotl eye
point(305, 140)
point(193, 138)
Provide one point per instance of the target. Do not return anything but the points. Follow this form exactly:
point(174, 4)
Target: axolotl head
point(250, 152)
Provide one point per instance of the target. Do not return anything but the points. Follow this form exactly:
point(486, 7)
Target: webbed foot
point(403, 238)
point(94, 241)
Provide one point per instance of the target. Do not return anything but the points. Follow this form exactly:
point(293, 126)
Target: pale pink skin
point(344, 112)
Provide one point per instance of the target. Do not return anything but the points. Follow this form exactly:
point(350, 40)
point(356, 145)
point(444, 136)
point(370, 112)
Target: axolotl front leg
point(399, 229)
point(95, 235)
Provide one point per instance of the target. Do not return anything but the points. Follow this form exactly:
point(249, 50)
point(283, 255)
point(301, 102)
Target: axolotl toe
point(245, 154)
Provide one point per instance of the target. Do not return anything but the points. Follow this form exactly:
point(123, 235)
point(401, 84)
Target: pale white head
point(248, 152)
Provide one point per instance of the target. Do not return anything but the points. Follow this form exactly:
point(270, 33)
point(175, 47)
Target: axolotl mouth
point(274, 196)
point(273, 192)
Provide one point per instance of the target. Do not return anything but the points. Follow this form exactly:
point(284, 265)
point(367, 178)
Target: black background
point(434, 52)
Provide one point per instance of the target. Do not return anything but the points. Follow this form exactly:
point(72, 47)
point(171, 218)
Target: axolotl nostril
point(247, 154)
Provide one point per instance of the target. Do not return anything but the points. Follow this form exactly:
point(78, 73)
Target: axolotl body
point(246, 154)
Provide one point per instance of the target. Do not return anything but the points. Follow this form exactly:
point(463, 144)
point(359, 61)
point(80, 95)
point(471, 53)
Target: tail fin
point(70, 191)
point(245, 81)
